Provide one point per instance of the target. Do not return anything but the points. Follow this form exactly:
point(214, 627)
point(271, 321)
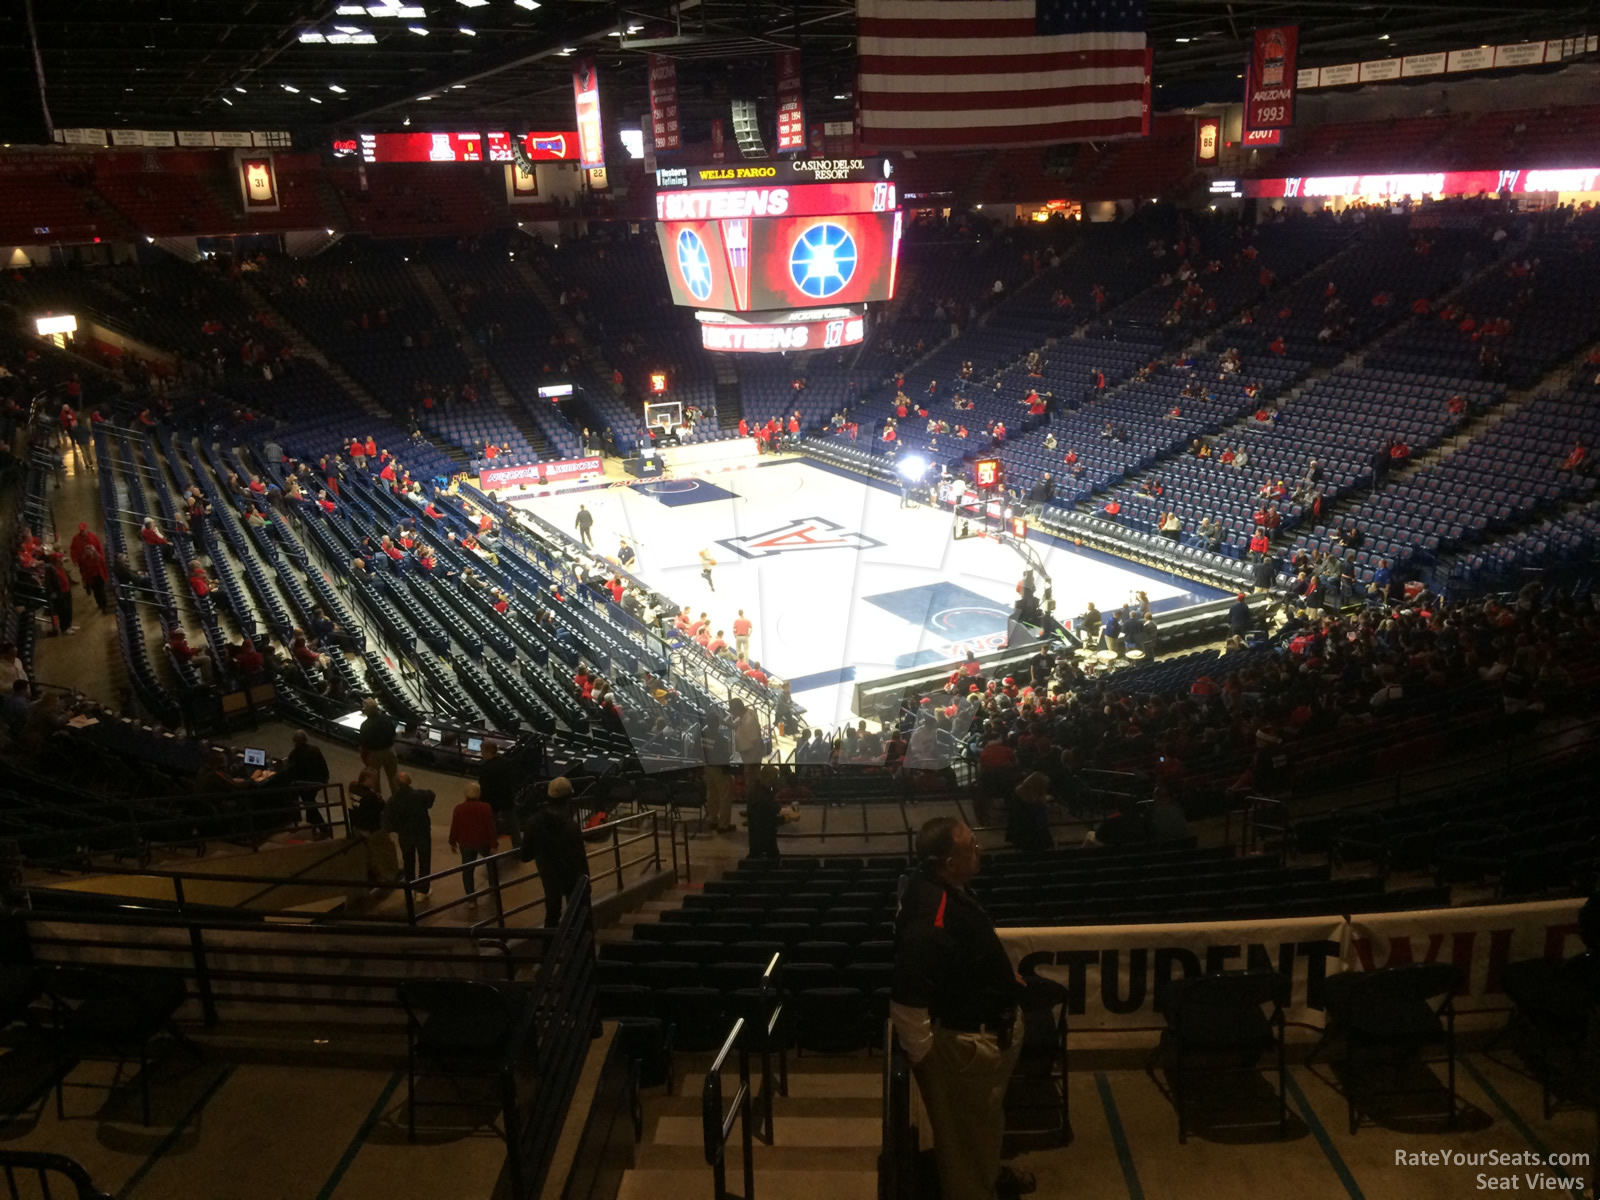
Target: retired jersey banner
point(664, 130)
point(586, 96)
point(1207, 141)
point(1118, 976)
point(791, 103)
point(718, 140)
point(1270, 78)
point(258, 183)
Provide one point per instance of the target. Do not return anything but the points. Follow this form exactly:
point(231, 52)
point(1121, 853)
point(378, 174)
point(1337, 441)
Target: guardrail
point(607, 840)
point(717, 1124)
point(59, 1168)
point(897, 1163)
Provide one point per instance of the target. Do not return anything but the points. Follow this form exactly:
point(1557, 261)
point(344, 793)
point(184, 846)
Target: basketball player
point(706, 563)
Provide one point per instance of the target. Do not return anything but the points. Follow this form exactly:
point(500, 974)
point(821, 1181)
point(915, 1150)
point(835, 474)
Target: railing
point(897, 1164)
point(499, 889)
point(1260, 820)
point(717, 1124)
point(549, 1047)
point(19, 1164)
point(118, 828)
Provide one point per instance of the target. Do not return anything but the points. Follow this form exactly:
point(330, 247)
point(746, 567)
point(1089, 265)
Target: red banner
point(1270, 78)
point(538, 473)
point(586, 96)
point(791, 102)
point(664, 102)
point(1207, 141)
point(718, 140)
point(1263, 137)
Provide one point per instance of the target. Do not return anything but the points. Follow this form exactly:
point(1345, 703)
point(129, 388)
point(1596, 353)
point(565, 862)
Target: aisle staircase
point(305, 348)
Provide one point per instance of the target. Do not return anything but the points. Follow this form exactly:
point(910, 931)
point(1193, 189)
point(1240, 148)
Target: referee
point(954, 1005)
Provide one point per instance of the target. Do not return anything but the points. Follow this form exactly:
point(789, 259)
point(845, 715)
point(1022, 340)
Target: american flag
point(954, 74)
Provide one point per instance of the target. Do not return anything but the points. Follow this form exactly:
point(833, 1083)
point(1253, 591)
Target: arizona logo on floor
point(805, 533)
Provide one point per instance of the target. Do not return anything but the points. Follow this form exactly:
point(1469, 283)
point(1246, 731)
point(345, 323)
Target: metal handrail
point(717, 1125)
point(897, 1175)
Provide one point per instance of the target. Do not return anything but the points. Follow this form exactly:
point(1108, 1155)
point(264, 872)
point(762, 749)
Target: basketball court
point(841, 582)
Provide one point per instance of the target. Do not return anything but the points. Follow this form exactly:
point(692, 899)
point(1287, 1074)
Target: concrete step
point(806, 1085)
point(823, 1133)
point(790, 1185)
point(687, 1153)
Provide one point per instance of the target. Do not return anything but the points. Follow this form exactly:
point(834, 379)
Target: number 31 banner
point(1270, 79)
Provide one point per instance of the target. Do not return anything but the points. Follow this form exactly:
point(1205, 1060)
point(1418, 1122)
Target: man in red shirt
point(717, 644)
point(198, 582)
point(754, 671)
point(741, 635)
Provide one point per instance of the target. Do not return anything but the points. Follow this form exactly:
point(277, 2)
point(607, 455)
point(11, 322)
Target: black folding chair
point(119, 1012)
point(458, 1028)
point(1401, 1011)
point(1212, 1020)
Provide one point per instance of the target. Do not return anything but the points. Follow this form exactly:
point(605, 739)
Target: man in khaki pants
point(954, 1006)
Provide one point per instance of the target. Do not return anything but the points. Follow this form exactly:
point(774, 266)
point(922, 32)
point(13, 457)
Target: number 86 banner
point(1270, 78)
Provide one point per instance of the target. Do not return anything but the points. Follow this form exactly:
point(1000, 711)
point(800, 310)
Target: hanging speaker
point(519, 154)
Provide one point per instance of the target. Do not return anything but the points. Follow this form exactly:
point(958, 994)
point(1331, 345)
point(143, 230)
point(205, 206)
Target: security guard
point(954, 1005)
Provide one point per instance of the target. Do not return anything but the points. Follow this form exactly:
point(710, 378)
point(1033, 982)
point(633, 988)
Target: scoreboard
point(764, 236)
point(454, 147)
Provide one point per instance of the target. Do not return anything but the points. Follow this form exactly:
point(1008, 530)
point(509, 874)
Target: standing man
point(954, 1005)
point(406, 816)
point(497, 777)
point(584, 524)
point(747, 740)
point(706, 563)
point(307, 768)
point(741, 635)
point(553, 843)
point(625, 556)
point(376, 740)
point(717, 749)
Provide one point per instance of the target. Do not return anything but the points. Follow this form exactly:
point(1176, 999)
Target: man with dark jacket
point(306, 767)
point(1239, 618)
point(377, 742)
point(552, 842)
point(406, 816)
point(498, 779)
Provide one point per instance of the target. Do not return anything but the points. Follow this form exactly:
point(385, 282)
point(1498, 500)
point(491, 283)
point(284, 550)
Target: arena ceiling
point(219, 64)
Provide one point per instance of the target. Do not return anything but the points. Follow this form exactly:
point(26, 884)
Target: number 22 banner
point(1270, 78)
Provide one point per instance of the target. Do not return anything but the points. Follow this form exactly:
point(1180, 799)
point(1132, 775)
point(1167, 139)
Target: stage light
point(530, 5)
point(912, 468)
point(48, 326)
point(334, 87)
point(418, 30)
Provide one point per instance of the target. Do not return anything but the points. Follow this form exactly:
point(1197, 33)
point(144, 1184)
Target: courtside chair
point(1397, 1012)
point(1234, 1017)
point(117, 1012)
point(455, 1027)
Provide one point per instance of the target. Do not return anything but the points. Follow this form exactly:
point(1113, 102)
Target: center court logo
point(807, 533)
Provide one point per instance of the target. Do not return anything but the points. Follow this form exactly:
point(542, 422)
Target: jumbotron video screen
point(762, 236)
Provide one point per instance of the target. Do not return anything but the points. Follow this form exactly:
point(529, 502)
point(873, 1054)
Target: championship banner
point(663, 131)
point(1117, 976)
point(1207, 141)
point(1270, 78)
point(586, 97)
point(791, 103)
point(258, 183)
point(718, 140)
point(1478, 940)
point(538, 474)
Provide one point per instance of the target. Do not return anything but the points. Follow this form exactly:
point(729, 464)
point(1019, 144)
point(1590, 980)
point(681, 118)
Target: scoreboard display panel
point(421, 147)
point(763, 236)
point(751, 265)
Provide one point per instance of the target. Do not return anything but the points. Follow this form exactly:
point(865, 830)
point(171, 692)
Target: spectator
point(473, 835)
point(551, 840)
point(406, 816)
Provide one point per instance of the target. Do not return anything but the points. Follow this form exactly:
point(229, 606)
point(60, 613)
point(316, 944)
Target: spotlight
point(912, 468)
